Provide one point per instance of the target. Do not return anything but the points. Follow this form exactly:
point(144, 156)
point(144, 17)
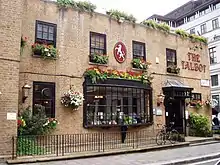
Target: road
point(146, 158)
point(208, 162)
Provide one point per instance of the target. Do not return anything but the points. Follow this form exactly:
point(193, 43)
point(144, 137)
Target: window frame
point(212, 83)
point(192, 31)
point(113, 84)
point(196, 96)
point(170, 51)
point(41, 40)
point(203, 28)
point(90, 42)
point(53, 99)
point(215, 23)
point(140, 44)
point(212, 55)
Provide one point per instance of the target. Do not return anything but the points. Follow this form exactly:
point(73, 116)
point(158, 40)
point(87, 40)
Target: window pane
point(51, 29)
point(45, 35)
point(39, 27)
point(45, 28)
point(214, 80)
point(39, 35)
point(51, 37)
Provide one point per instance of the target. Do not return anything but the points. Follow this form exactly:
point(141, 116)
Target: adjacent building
point(200, 17)
point(179, 72)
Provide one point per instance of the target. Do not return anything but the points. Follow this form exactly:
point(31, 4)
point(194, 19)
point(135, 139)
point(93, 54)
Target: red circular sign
point(120, 52)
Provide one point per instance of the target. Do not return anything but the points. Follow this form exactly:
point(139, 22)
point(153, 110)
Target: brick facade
point(72, 42)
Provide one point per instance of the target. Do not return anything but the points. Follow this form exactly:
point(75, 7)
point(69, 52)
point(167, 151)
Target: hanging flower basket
point(72, 99)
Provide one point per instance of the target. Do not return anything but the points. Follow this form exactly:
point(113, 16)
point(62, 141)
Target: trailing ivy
point(121, 15)
point(194, 37)
point(160, 26)
point(164, 27)
point(182, 33)
point(81, 5)
point(198, 38)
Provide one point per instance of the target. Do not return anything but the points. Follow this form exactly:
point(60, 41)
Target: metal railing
point(60, 145)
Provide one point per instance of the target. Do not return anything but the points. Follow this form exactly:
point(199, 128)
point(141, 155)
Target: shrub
point(199, 125)
point(160, 26)
point(27, 146)
point(121, 15)
point(36, 124)
point(182, 33)
point(81, 5)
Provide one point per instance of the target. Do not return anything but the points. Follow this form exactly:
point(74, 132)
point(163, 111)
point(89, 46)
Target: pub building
point(128, 73)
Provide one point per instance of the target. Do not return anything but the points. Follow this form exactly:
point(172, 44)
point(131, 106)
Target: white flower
point(46, 50)
point(48, 54)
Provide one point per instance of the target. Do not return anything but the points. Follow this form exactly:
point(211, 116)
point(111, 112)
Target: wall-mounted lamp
point(0, 93)
point(160, 99)
point(25, 92)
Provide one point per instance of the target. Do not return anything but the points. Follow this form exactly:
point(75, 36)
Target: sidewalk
point(162, 157)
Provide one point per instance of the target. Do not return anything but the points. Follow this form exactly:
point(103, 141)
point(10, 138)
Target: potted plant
point(197, 104)
point(140, 63)
point(45, 51)
point(72, 99)
point(99, 58)
point(173, 69)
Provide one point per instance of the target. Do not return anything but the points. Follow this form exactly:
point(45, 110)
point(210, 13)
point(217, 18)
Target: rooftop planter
point(140, 64)
point(121, 16)
point(44, 51)
point(95, 74)
point(159, 26)
point(99, 59)
point(81, 5)
point(193, 37)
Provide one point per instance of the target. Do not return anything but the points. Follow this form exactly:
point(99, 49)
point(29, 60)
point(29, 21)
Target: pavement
point(161, 157)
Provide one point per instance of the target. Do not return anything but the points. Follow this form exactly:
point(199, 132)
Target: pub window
point(197, 96)
point(171, 57)
point(45, 33)
point(44, 95)
point(113, 105)
point(139, 50)
point(214, 80)
point(212, 55)
point(215, 24)
point(97, 44)
point(203, 28)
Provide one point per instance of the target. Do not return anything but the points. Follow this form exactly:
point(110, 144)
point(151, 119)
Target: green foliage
point(198, 38)
point(173, 69)
point(27, 146)
point(85, 6)
point(163, 27)
point(160, 26)
point(199, 125)
point(81, 5)
point(138, 63)
point(36, 124)
point(121, 15)
point(194, 37)
point(95, 75)
point(182, 33)
point(99, 59)
point(45, 51)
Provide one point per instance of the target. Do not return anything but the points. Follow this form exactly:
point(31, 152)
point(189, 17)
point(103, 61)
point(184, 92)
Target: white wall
point(196, 23)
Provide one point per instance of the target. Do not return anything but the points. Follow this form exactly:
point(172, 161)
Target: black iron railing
point(60, 145)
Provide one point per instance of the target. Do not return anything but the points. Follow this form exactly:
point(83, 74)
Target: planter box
point(118, 82)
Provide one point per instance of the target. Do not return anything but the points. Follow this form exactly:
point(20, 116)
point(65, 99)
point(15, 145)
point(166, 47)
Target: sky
point(141, 9)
